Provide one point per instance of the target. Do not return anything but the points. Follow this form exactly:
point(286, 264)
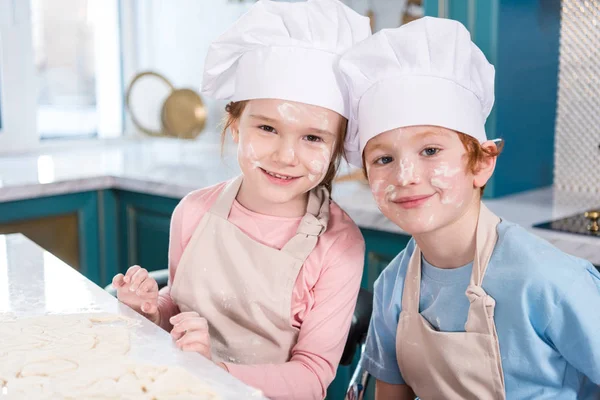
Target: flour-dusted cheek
point(376, 185)
point(325, 153)
point(385, 196)
point(317, 170)
point(318, 162)
point(440, 183)
point(383, 185)
point(445, 178)
point(378, 190)
point(247, 154)
point(390, 193)
point(253, 157)
point(254, 150)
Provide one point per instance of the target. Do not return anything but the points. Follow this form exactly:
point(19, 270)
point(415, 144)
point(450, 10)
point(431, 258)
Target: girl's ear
point(235, 131)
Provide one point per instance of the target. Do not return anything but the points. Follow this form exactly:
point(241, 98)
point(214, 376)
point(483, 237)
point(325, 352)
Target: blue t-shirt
point(547, 315)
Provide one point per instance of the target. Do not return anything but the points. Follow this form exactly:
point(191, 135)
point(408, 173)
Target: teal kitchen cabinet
point(143, 233)
point(521, 39)
point(99, 233)
point(66, 225)
point(381, 248)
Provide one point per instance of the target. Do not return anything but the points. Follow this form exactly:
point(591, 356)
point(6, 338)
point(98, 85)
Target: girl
point(527, 325)
point(265, 269)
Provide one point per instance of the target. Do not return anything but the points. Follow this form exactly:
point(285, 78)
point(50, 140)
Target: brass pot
point(183, 113)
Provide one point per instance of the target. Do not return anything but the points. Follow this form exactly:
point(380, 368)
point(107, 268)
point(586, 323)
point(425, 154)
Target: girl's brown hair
point(234, 112)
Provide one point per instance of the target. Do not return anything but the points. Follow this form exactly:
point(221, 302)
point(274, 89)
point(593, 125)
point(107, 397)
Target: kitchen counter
point(173, 168)
point(33, 282)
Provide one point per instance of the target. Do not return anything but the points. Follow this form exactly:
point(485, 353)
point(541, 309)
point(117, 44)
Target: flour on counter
point(84, 356)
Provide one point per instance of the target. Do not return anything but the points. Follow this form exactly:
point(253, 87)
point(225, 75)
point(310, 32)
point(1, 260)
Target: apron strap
point(480, 318)
point(222, 207)
point(485, 241)
point(312, 225)
point(411, 293)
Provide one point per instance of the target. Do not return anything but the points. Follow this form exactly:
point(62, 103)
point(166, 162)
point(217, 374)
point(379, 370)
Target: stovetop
point(578, 224)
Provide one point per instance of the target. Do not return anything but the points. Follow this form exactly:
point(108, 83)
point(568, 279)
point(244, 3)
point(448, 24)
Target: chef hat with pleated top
point(427, 72)
point(285, 51)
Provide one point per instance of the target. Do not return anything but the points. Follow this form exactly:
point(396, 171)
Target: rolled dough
point(84, 356)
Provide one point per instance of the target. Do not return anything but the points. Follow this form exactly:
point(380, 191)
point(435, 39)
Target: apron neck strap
point(222, 207)
point(485, 241)
point(412, 283)
point(315, 220)
point(313, 224)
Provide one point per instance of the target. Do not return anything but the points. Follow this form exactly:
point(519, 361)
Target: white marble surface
point(34, 282)
point(165, 167)
point(173, 168)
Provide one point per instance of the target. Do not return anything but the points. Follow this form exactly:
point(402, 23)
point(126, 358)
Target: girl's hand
point(190, 332)
point(139, 291)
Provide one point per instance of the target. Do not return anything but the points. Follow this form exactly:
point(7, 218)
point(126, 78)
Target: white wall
point(17, 85)
point(172, 38)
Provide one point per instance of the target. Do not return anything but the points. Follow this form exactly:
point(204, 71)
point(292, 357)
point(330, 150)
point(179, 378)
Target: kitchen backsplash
point(577, 145)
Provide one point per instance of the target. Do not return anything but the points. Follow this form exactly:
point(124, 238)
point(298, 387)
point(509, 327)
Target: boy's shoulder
point(535, 262)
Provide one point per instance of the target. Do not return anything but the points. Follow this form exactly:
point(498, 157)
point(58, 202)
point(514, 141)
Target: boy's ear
point(486, 167)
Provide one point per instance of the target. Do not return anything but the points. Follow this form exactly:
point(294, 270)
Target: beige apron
point(453, 365)
point(242, 287)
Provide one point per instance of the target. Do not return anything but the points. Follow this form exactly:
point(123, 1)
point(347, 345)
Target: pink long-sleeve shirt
point(323, 298)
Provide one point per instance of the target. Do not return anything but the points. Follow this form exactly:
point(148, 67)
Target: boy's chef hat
point(427, 72)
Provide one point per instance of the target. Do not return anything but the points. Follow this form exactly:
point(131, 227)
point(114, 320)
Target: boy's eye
point(383, 160)
point(313, 138)
point(430, 151)
point(267, 128)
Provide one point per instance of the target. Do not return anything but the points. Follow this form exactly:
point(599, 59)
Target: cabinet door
point(381, 248)
point(144, 224)
point(64, 225)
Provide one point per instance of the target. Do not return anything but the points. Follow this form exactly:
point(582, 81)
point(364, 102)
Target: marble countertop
point(173, 168)
point(33, 282)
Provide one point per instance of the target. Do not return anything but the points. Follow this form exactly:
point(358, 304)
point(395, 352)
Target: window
point(0, 94)
point(77, 57)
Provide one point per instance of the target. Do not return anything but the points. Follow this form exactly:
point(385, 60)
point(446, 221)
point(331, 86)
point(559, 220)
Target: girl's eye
point(383, 160)
point(267, 128)
point(313, 138)
point(430, 151)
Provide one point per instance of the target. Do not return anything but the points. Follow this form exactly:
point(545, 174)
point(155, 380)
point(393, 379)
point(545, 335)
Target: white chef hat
point(285, 51)
point(427, 72)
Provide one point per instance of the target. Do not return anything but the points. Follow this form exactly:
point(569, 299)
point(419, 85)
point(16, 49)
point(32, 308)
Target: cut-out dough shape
point(84, 356)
